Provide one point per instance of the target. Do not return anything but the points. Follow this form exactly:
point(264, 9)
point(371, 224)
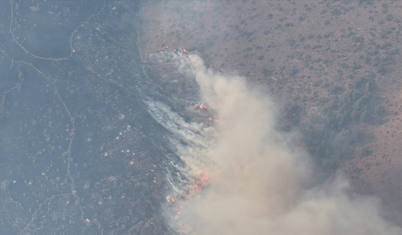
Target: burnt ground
point(333, 66)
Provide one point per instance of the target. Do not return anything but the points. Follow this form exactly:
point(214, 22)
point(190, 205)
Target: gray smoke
point(261, 184)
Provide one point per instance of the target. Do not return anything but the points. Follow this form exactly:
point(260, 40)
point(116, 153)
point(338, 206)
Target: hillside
point(333, 66)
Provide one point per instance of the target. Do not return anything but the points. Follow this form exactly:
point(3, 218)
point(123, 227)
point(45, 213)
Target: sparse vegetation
point(327, 69)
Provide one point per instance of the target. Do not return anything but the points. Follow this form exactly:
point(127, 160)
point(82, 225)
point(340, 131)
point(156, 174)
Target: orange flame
point(216, 134)
point(198, 184)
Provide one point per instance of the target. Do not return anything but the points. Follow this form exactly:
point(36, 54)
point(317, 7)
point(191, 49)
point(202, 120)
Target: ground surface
point(334, 66)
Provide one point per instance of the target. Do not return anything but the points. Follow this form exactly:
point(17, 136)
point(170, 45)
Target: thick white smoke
point(261, 183)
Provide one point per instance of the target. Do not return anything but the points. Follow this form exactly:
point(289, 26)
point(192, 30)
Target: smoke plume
point(260, 183)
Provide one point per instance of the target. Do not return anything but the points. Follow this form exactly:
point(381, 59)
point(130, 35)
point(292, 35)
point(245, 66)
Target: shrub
point(267, 72)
